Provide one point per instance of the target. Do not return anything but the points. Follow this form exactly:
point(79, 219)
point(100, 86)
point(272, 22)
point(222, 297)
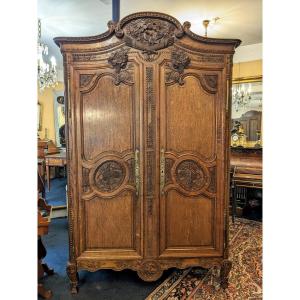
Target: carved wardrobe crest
point(148, 106)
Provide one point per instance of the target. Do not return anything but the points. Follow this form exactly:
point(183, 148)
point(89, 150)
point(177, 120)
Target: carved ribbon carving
point(109, 176)
point(190, 175)
point(118, 60)
point(179, 61)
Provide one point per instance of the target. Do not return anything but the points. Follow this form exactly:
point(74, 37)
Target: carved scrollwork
point(179, 61)
point(118, 60)
point(85, 79)
point(190, 175)
point(109, 176)
point(210, 82)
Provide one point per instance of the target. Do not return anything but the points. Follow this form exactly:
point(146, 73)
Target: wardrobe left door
point(106, 145)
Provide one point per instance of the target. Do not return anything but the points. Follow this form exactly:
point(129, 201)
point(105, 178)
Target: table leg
point(48, 176)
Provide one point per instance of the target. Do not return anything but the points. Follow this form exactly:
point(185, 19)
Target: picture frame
point(246, 111)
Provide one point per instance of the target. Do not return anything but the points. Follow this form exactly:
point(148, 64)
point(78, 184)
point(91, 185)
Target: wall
point(46, 99)
point(247, 61)
point(247, 69)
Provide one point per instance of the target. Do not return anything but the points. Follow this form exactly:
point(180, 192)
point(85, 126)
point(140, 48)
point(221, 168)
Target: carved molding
point(212, 188)
point(148, 270)
point(168, 166)
point(179, 61)
point(199, 38)
point(85, 180)
point(85, 79)
point(190, 175)
point(109, 176)
point(150, 139)
point(148, 26)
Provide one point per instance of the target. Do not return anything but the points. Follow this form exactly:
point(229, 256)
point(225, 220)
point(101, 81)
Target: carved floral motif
point(118, 60)
point(190, 175)
point(149, 34)
point(179, 61)
point(109, 176)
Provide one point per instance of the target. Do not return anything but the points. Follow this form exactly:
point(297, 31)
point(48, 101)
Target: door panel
point(189, 198)
point(190, 118)
point(107, 118)
point(196, 227)
point(108, 143)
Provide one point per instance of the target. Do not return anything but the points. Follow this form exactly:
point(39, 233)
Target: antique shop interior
point(150, 142)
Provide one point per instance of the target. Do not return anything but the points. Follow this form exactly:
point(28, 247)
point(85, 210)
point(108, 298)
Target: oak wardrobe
point(148, 111)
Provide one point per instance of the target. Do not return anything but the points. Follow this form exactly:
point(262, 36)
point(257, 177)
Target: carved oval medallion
point(190, 175)
point(149, 271)
point(109, 176)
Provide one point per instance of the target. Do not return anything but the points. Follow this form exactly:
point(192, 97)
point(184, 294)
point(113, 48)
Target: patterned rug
point(245, 280)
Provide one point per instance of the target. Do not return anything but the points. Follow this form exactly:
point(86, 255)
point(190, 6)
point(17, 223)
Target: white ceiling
point(238, 18)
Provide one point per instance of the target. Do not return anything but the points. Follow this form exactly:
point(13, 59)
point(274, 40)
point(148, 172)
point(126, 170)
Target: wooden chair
point(44, 216)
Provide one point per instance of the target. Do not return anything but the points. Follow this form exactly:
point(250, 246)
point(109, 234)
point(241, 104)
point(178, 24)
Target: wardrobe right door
point(192, 169)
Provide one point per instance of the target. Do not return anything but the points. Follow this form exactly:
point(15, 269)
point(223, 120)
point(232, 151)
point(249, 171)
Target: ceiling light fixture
point(207, 22)
point(46, 72)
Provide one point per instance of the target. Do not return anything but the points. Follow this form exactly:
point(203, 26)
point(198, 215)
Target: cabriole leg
point(73, 276)
point(224, 273)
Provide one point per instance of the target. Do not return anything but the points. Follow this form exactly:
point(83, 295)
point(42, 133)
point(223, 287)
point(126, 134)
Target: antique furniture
point(54, 160)
point(247, 177)
point(243, 158)
point(147, 116)
point(44, 213)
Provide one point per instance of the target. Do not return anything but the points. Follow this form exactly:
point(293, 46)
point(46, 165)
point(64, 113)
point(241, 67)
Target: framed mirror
point(246, 114)
point(59, 118)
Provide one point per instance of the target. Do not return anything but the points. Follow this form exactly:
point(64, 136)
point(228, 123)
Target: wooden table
point(54, 160)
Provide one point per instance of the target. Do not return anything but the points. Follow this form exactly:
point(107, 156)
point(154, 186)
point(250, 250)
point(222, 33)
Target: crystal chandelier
point(241, 96)
point(47, 73)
